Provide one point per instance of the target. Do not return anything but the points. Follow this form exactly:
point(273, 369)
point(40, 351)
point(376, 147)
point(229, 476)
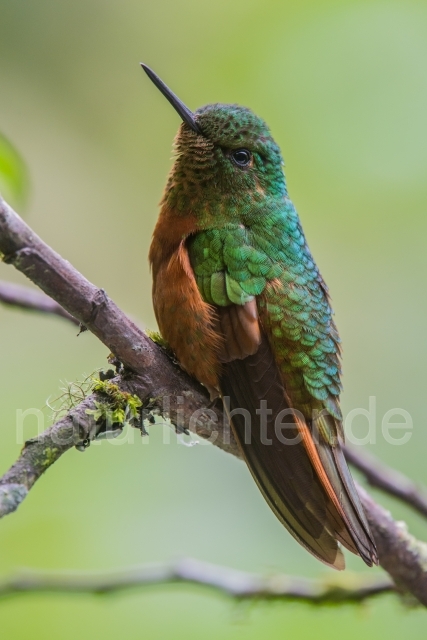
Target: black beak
point(179, 106)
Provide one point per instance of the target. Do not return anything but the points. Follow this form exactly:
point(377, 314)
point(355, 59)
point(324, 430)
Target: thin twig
point(162, 386)
point(241, 585)
point(389, 480)
point(16, 295)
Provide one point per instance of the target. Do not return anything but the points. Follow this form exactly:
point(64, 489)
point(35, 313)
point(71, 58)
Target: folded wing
point(306, 483)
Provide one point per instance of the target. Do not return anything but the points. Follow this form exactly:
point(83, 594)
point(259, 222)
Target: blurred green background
point(343, 85)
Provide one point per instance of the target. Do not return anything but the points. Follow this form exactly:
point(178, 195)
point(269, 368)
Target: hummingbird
point(239, 299)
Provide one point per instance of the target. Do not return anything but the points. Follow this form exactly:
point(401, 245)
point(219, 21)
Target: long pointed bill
point(179, 106)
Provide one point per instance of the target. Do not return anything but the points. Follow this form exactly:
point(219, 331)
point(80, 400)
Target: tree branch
point(388, 480)
point(401, 554)
point(91, 306)
point(161, 386)
point(15, 295)
point(376, 472)
point(236, 584)
point(40, 453)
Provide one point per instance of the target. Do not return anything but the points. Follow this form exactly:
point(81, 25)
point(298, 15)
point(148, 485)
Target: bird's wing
point(304, 479)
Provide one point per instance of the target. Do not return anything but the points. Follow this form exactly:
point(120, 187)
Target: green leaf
point(13, 174)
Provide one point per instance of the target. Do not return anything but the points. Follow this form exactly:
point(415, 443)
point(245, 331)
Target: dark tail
point(305, 481)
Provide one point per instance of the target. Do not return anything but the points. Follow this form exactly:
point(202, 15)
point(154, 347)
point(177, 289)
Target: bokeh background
point(343, 85)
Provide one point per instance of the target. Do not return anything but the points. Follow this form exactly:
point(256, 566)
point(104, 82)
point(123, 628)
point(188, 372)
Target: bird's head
point(226, 158)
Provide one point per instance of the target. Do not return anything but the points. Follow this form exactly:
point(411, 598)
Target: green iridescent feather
point(235, 263)
point(249, 237)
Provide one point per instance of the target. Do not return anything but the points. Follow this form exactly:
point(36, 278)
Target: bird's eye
point(241, 157)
